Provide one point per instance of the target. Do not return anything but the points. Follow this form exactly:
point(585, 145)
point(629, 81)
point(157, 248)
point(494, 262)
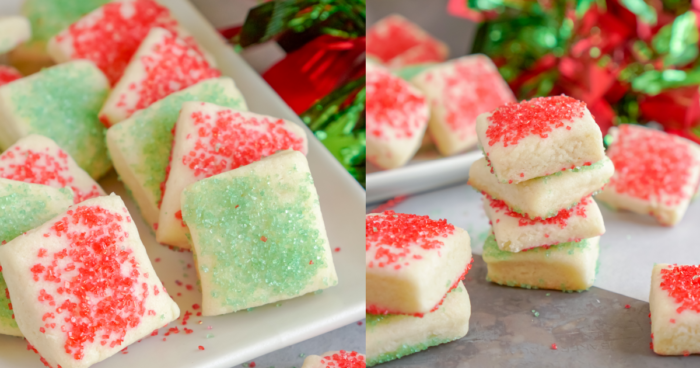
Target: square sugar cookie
point(258, 234)
point(656, 173)
point(39, 160)
point(539, 137)
point(13, 31)
point(24, 207)
point(458, 91)
point(566, 266)
point(163, 64)
point(412, 262)
point(391, 337)
point(396, 42)
point(515, 232)
point(210, 140)
point(674, 302)
point(61, 103)
point(82, 285)
point(397, 116)
point(545, 196)
point(141, 145)
point(336, 359)
point(110, 35)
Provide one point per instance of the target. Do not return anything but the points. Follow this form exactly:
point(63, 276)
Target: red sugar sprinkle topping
point(627, 306)
point(112, 38)
point(8, 74)
point(651, 165)
point(344, 359)
point(683, 285)
point(471, 89)
point(172, 65)
point(539, 116)
point(554, 346)
point(251, 364)
point(43, 168)
point(561, 219)
point(394, 36)
point(201, 347)
point(95, 290)
point(394, 109)
point(394, 235)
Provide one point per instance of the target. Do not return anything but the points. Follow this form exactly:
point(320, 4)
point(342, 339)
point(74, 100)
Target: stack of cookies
point(415, 295)
point(544, 161)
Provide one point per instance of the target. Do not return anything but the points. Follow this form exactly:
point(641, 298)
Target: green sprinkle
point(302, 355)
point(71, 94)
point(407, 350)
point(49, 17)
point(547, 294)
point(536, 313)
point(278, 305)
point(209, 336)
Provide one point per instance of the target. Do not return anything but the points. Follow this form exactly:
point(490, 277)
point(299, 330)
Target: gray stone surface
point(590, 329)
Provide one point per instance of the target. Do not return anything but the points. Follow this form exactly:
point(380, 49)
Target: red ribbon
point(313, 71)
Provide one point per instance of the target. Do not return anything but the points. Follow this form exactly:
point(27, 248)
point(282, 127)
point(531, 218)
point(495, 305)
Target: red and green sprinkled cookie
point(655, 173)
point(546, 196)
point(336, 359)
point(412, 262)
point(82, 285)
point(258, 234)
point(140, 146)
point(391, 336)
point(458, 91)
point(24, 207)
point(210, 140)
point(39, 160)
point(163, 64)
point(515, 232)
point(397, 116)
point(539, 137)
point(110, 35)
point(61, 103)
point(397, 42)
point(674, 302)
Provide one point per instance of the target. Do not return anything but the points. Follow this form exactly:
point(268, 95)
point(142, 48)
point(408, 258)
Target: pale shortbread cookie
point(140, 146)
point(674, 302)
point(336, 359)
point(258, 234)
point(209, 140)
point(39, 160)
point(397, 116)
point(391, 337)
point(458, 91)
point(13, 31)
point(61, 103)
point(656, 173)
point(8, 74)
point(565, 267)
point(543, 197)
point(163, 64)
point(24, 207)
point(397, 42)
point(82, 285)
point(412, 262)
point(515, 233)
point(539, 137)
point(110, 35)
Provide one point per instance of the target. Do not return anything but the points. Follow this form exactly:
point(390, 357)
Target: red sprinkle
point(539, 116)
point(561, 219)
point(201, 347)
point(651, 165)
point(344, 359)
point(683, 285)
point(554, 346)
point(627, 306)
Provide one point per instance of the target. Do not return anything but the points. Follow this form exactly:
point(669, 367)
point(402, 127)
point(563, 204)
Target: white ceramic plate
point(242, 336)
point(424, 172)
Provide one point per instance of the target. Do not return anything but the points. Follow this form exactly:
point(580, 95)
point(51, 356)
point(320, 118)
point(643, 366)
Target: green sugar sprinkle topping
point(491, 250)
point(405, 350)
point(23, 207)
point(62, 103)
point(535, 313)
point(6, 319)
point(256, 236)
point(49, 17)
point(150, 130)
